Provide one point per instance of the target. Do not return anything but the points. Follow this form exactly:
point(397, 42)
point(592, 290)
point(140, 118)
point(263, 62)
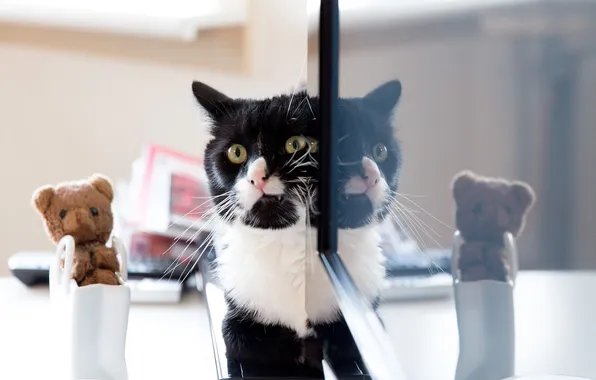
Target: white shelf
point(172, 19)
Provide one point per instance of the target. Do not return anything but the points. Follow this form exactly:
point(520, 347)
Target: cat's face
point(261, 158)
point(369, 156)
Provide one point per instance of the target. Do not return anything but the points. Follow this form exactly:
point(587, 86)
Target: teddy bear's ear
point(42, 198)
point(462, 183)
point(523, 193)
point(103, 185)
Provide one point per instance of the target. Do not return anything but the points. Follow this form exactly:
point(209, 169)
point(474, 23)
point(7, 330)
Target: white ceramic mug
point(92, 321)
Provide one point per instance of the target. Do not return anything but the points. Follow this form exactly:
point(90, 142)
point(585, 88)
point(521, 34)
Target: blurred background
point(505, 88)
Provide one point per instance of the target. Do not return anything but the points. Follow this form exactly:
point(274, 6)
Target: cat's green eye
point(237, 154)
point(295, 144)
point(380, 152)
point(314, 144)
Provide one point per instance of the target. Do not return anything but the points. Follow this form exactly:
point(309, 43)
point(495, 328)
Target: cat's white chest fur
point(275, 274)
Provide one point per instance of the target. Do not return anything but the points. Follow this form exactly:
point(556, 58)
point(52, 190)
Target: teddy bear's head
point(81, 209)
point(486, 207)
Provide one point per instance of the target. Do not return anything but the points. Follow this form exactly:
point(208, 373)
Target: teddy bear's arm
point(471, 253)
point(496, 262)
point(81, 264)
point(101, 276)
point(483, 261)
point(107, 258)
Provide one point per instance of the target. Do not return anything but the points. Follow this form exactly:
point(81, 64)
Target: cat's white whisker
point(227, 193)
point(290, 160)
point(300, 164)
point(208, 239)
point(399, 215)
point(311, 111)
point(396, 219)
point(210, 197)
point(301, 158)
point(423, 209)
point(415, 217)
point(296, 86)
point(341, 163)
point(305, 164)
point(419, 238)
point(206, 244)
point(342, 138)
point(181, 235)
point(190, 240)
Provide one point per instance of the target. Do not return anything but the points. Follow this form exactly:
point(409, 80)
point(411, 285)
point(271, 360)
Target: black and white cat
point(260, 165)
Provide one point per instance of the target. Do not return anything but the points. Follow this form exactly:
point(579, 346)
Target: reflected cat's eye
point(237, 154)
point(295, 144)
point(314, 144)
point(380, 152)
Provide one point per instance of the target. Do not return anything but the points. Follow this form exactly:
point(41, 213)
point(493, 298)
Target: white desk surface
point(555, 316)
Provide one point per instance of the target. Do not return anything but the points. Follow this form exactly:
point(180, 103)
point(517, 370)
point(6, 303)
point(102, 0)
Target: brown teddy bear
point(486, 208)
point(83, 210)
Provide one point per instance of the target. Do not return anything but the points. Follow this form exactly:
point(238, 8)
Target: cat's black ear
point(384, 98)
point(212, 101)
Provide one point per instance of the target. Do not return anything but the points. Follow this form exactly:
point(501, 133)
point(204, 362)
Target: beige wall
point(76, 103)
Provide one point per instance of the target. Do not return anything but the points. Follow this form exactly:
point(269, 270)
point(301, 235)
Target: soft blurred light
point(153, 8)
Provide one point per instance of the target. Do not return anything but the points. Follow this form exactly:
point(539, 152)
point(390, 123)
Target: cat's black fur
point(274, 348)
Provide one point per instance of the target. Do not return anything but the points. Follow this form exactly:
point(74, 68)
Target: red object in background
point(188, 199)
point(153, 155)
point(145, 245)
point(149, 245)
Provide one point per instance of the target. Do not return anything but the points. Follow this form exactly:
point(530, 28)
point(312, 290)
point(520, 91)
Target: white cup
point(91, 321)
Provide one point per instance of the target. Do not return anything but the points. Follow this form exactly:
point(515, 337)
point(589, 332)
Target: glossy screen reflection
point(504, 89)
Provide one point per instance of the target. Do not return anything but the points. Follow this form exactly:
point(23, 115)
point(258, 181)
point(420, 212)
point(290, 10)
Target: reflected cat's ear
point(212, 101)
point(384, 98)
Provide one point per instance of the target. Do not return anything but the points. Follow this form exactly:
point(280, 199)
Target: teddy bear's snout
point(502, 219)
point(79, 223)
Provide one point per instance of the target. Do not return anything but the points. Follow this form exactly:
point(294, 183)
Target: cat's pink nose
point(258, 182)
point(257, 174)
point(371, 181)
point(502, 219)
point(372, 175)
